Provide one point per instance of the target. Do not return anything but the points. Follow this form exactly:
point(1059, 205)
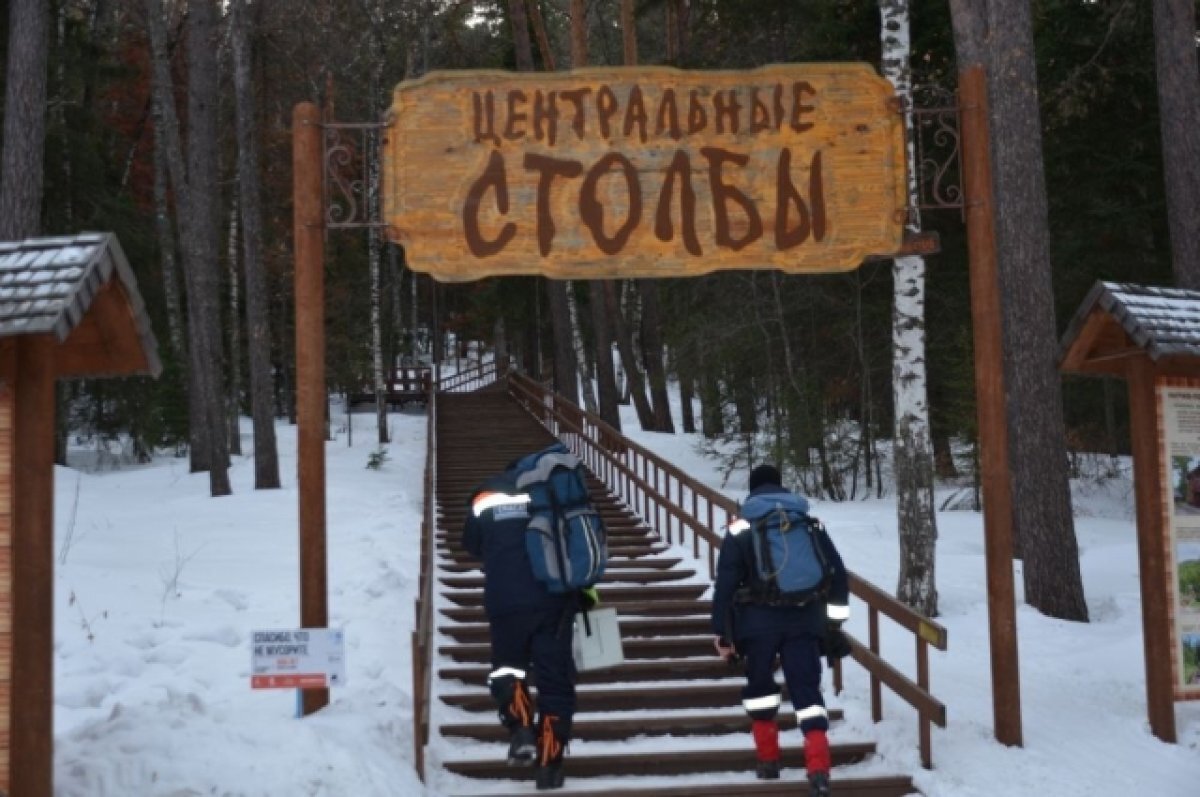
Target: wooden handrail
point(479, 375)
point(422, 665)
point(644, 482)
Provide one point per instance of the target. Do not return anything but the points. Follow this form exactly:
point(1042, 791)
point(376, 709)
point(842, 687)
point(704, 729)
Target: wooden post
point(990, 404)
point(1148, 491)
point(309, 232)
point(32, 719)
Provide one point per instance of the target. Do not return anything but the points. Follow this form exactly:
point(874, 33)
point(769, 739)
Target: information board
point(306, 658)
point(644, 171)
point(1179, 402)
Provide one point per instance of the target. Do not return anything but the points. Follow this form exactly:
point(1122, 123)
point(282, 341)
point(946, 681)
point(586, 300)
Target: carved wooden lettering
point(647, 172)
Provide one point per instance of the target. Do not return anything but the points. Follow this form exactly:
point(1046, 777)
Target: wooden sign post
point(649, 172)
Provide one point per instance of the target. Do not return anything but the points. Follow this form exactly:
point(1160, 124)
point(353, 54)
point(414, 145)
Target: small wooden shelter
point(1151, 337)
point(69, 307)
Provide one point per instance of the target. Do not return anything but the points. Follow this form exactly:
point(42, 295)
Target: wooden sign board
point(644, 171)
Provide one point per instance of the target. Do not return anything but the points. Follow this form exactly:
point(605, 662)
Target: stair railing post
point(873, 644)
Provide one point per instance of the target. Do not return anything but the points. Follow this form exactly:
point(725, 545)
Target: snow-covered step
point(630, 627)
point(873, 786)
point(609, 729)
point(660, 762)
point(609, 595)
point(633, 697)
point(642, 648)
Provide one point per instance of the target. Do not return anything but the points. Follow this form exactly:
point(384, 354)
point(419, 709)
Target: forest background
point(169, 123)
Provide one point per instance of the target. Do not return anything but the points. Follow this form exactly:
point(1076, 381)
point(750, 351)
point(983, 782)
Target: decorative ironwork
point(345, 175)
point(939, 166)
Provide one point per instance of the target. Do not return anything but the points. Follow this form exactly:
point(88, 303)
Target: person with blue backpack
point(531, 602)
point(781, 592)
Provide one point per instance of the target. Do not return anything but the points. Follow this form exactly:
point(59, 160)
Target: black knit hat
point(765, 474)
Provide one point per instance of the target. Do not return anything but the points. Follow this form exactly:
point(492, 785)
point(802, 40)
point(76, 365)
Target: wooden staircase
point(666, 722)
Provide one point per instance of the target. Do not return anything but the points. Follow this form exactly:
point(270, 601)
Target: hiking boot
point(818, 784)
point(522, 747)
point(550, 750)
point(767, 770)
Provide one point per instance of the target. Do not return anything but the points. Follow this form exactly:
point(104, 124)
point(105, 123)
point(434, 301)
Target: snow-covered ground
point(159, 587)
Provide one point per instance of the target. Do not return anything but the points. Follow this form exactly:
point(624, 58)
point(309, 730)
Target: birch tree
point(913, 446)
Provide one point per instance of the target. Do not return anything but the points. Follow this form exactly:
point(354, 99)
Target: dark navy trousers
point(539, 642)
point(800, 656)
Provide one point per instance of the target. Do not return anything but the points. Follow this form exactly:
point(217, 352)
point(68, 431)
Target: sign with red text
point(644, 171)
point(305, 658)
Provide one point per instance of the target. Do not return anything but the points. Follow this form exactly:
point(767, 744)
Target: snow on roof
point(48, 284)
point(1161, 321)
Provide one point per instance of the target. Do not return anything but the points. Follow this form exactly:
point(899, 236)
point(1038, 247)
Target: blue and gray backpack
point(565, 538)
point(790, 566)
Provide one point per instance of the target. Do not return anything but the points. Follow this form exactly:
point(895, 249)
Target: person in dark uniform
point(752, 623)
point(530, 628)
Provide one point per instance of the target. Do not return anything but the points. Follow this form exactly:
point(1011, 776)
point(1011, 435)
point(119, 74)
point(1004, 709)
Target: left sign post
point(304, 658)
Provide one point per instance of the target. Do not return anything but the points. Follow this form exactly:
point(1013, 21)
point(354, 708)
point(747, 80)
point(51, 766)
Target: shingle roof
point(47, 285)
point(1161, 321)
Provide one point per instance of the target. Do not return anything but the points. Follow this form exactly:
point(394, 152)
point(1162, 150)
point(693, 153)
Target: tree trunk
point(21, 173)
point(652, 356)
point(1179, 120)
point(165, 231)
point(687, 395)
point(500, 347)
point(587, 385)
point(374, 252)
point(202, 233)
point(913, 446)
point(235, 337)
point(566, 377)
point(1043, 525)
point(166, 123)
point(608, 402)
point(633, 375)
point(606, 380)
point(712, 412)
point(60, 116)
point(539, 30)
point(520, 30)
point(258, 316)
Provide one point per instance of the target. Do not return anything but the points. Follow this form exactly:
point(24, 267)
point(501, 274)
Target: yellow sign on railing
point(644, 172)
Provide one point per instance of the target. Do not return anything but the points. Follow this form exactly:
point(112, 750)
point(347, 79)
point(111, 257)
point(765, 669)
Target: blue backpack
point(788, 559)
point(565, 538)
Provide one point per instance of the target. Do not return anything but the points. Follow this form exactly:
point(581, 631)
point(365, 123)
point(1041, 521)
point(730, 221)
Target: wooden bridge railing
point(683, 510)
point(422, 664)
